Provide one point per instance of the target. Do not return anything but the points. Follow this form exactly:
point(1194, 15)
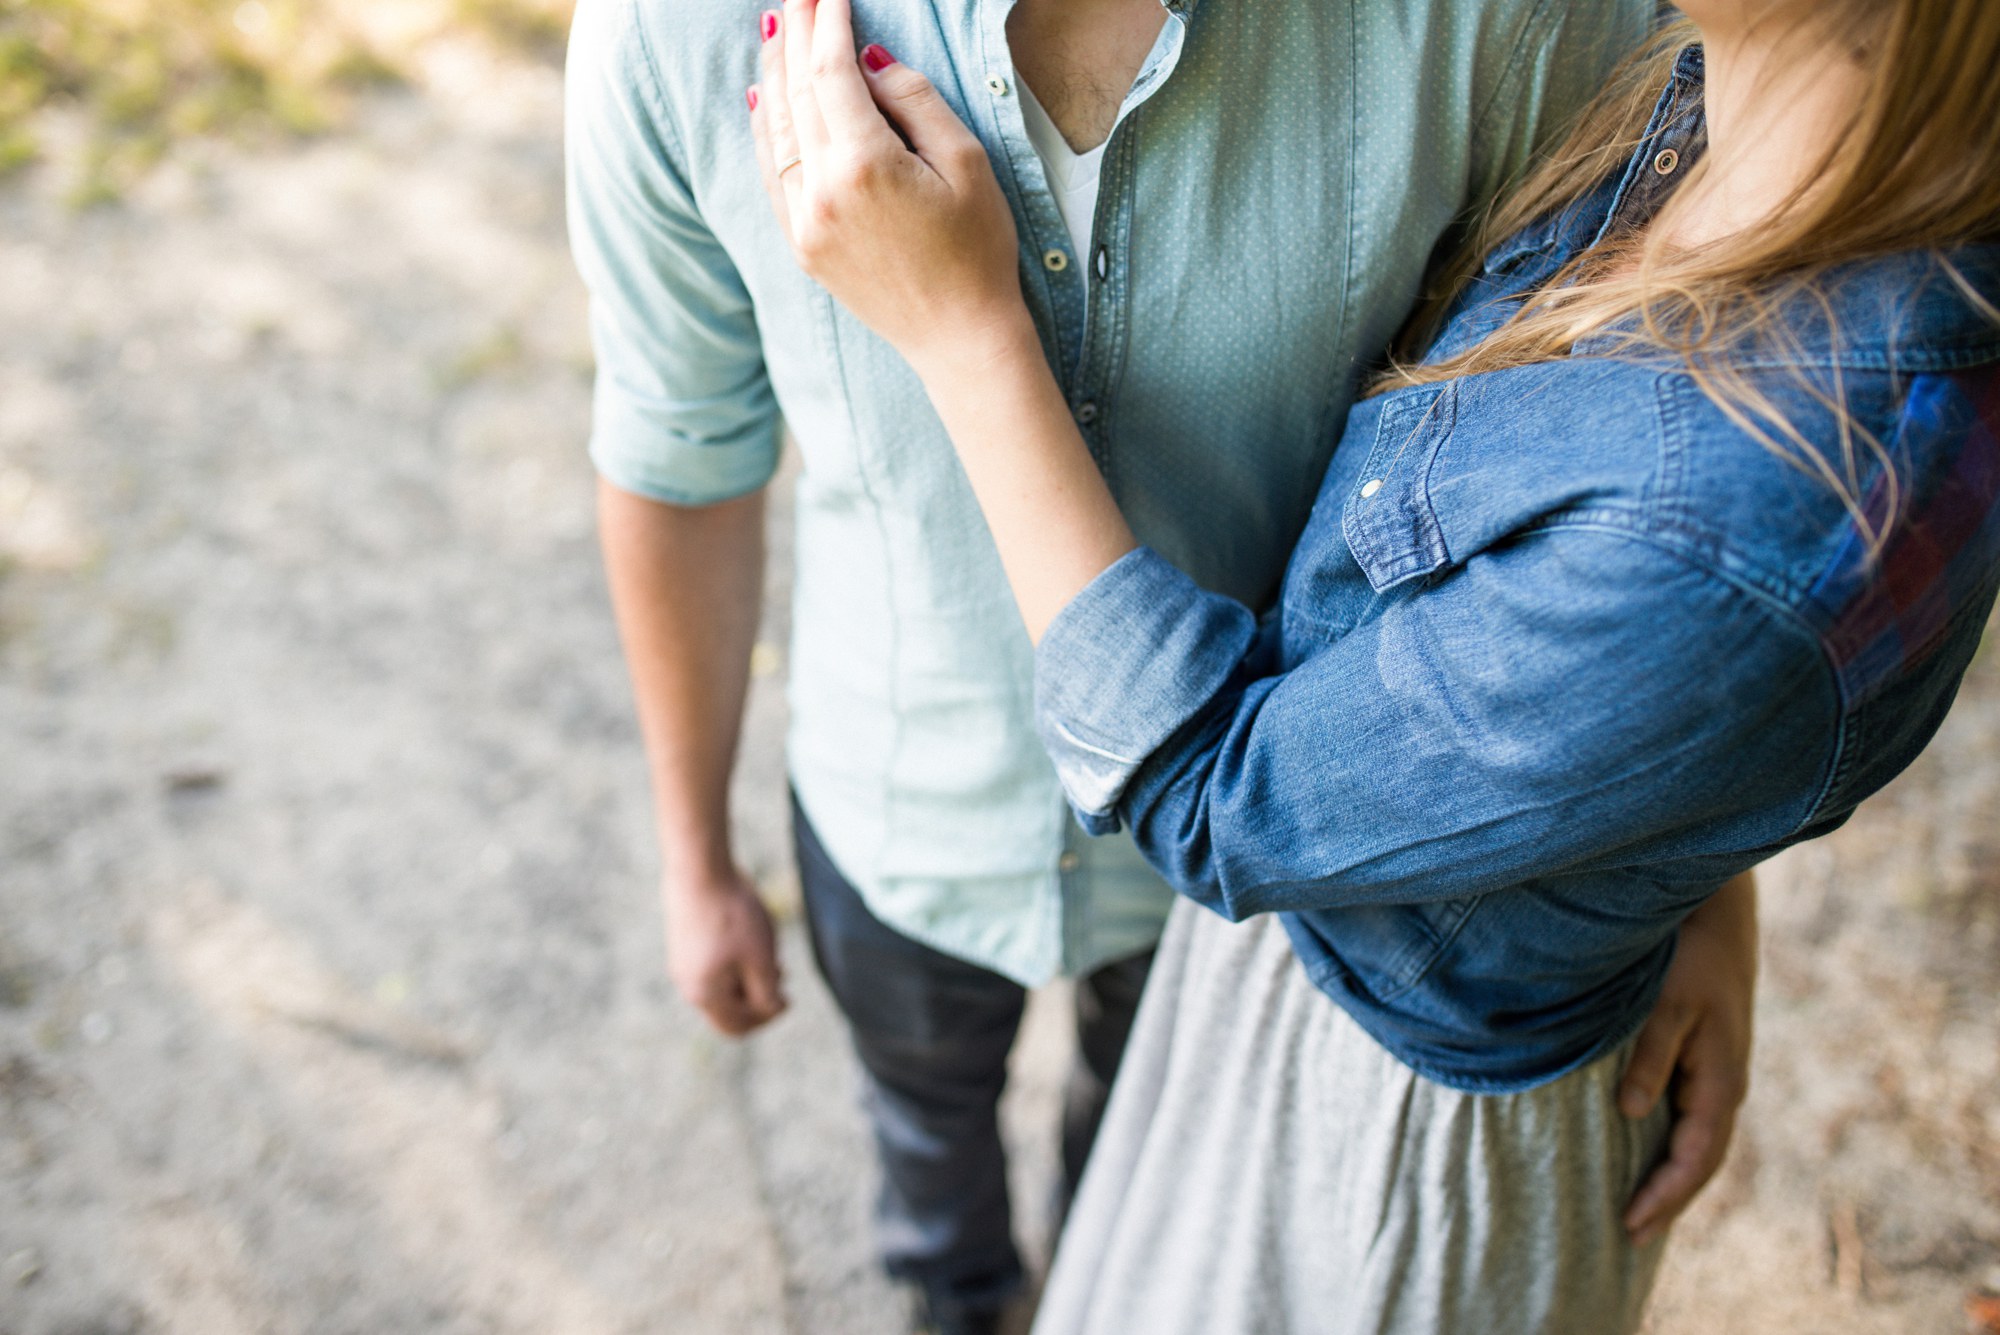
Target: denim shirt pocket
point(1391, 529)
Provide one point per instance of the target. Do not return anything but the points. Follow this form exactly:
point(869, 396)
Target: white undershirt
point(1072, 175)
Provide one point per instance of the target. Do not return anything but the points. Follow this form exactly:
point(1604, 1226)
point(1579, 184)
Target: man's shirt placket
point(1079, 304)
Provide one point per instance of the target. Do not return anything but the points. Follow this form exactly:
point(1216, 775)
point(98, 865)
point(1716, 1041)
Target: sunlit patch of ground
point(144, 75)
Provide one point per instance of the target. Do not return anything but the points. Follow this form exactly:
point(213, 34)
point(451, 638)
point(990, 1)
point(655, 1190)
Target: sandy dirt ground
point(331, 995)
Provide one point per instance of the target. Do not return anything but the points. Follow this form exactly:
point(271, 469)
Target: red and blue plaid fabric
point(1880, 618)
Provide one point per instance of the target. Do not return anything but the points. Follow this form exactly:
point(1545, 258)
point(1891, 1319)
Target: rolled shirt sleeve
point(682, 410)
point(1571, 700)
point(1122, 667)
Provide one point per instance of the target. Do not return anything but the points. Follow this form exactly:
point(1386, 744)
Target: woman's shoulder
point(1868, 407)
point(1784, 473)
point(1909, 313)
point(1774, 472)
point(1873, 387)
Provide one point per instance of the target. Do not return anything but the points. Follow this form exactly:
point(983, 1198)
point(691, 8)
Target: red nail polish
point(769, 23)
point(750, 96)
point(876, 58)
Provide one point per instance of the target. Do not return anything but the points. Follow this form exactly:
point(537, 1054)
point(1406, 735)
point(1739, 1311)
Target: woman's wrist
point(977, 346)
point(1729, 919)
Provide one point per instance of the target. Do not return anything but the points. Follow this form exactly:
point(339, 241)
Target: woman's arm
point(918, 243)
point(1050, 513)
point(1569, 701)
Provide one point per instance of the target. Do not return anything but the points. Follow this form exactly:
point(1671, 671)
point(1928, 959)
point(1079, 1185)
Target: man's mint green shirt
point(1279, 177)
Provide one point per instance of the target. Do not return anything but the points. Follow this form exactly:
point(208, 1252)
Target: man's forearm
point(686, 585)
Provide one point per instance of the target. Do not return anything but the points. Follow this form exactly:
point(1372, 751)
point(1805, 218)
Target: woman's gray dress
point(1265, 1166)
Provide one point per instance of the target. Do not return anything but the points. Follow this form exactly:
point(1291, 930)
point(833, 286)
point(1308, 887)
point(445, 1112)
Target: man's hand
point(1697, 1039)
point(722, 953)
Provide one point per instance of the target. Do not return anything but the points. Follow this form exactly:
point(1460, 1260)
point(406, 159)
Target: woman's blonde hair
point(1916, 168)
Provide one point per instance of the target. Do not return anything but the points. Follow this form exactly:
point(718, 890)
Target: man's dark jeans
point(933, 1032)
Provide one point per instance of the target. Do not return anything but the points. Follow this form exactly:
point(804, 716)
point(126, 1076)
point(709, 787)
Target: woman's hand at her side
point(1696, 1044)
point(915, 239)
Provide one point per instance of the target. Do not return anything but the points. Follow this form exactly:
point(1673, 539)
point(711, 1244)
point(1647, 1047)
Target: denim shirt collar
point(1675, 138)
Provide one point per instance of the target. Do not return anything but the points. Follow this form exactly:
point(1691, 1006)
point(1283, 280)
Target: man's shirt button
point(1069, 862)
point(996, 85)
point(1055, 261)
point(1086, 413)
point(1370, 487)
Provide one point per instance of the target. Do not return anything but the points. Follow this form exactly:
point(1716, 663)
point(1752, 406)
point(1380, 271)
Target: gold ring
point(789, 163)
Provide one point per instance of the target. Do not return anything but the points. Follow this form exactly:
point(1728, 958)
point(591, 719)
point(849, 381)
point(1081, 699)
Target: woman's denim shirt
point(1561, 649)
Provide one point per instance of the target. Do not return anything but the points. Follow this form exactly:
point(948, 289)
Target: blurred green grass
point(145, 74)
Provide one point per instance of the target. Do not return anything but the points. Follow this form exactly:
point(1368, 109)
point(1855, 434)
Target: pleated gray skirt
point(1265, 1166)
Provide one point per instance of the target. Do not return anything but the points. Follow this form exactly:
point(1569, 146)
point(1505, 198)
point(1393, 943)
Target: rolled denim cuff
point(1132, 658)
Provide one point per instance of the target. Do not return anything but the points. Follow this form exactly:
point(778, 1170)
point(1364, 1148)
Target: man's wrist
point(700, 866)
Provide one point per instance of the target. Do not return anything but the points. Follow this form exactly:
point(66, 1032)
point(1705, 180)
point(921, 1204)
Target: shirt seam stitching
point(1512, 73)
point(894, 648)
point(656, 97)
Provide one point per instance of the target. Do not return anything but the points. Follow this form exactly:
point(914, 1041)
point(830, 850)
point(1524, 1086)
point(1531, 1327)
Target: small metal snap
point(1086, 413)
point(1666, 162)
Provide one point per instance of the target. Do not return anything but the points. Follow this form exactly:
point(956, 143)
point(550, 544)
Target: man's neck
point(1080, 57)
